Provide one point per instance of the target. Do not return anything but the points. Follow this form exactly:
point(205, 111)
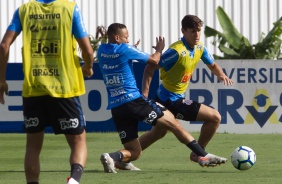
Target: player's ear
point(117, 38)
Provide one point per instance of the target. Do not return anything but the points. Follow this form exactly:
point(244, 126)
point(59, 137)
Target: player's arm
point(215, 68)
point(79, 32)
point(7, 41)
point(152, 65)
point(147, 78)
point(155, 58)
point(87, 55)
point(168, 59)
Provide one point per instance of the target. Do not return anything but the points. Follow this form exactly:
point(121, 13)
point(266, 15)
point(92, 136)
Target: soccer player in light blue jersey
point(127, 104)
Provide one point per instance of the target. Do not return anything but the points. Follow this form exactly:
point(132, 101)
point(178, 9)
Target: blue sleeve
point(169, 57)
point(133, 53)
point(78, 27)
point(207, 57)
point(15, 24)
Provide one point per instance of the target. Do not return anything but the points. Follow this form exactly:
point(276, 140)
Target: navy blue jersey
point(115, 61)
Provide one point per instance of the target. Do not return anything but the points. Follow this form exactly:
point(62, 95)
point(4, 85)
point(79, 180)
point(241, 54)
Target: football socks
point(196, 148)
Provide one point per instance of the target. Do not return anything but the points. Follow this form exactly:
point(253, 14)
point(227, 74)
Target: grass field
point(165, 162)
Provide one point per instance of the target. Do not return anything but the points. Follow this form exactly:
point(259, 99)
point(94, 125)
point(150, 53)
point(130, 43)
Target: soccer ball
point(243, 158)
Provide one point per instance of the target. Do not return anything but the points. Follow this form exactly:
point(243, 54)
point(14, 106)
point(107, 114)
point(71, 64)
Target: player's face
point(192, 36)
point(122, 36)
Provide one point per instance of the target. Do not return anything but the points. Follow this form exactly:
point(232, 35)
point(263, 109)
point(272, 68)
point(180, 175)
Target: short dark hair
point(191, 22)
point(114, 27)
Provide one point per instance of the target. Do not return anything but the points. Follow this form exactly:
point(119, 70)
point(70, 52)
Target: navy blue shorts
point(127, 116)
point(182, 109)
point(64, 115)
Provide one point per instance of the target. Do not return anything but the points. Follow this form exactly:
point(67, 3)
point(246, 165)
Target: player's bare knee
point(216, 118)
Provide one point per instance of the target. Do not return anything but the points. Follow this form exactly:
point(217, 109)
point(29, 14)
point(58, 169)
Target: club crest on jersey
point(199, 47)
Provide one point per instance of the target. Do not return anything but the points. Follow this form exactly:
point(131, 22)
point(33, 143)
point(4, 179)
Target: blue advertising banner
point(252, 105)
point(94, 102)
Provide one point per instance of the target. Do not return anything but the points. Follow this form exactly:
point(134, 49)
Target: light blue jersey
point(78, 28)
point(115, 62)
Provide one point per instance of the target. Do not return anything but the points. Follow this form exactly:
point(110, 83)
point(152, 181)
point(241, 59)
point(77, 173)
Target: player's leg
point(211, 119)
point(126, 123)
point(204, 158)
point(169, 122)
point(132, 151)
point(78, 155)
point(67, 118)
point(146, 139)
point(78, 148)
point(149, 137)
point(189, 110)
point(194, 111)
point(34, 143)
point(35, 120)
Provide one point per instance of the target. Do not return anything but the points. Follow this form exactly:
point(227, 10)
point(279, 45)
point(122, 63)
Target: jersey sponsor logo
point(45, 72)
point(113, 80)
point(36, 28)
point(186, 78)
point(31, 122)
point(122, 99)
point(117, 91)
point(110, 56)
point(45, 16)
point(72, 123)
point(45, 48)
point(151, 117)
point(107, 67)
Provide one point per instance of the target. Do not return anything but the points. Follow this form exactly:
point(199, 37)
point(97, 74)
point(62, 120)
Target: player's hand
point(226, 81)
point(3, 89)
point(137, 43)
point(87, 71)
point(160, 44)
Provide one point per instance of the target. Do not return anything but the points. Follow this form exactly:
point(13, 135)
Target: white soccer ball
point(243, 158)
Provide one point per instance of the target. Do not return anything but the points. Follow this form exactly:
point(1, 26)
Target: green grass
point(165, 162)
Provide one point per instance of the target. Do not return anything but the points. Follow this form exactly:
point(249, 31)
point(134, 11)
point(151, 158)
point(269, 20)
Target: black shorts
point(126, 117)
point(64, 115)
point(182, 109)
